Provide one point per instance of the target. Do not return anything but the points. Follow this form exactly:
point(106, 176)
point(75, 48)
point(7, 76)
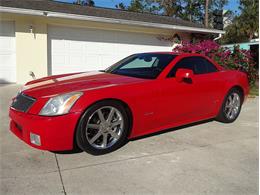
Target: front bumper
point(56, 133)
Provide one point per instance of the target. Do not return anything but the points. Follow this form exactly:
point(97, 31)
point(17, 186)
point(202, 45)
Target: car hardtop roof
point(174, 53)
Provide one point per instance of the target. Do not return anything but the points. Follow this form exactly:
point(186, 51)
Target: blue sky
point(104, 3)
point(232, 5)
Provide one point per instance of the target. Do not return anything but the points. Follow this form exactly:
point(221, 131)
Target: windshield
point(147, 65)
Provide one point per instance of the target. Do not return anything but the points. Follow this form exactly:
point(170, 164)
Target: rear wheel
point(103, 128)
point(231, 106)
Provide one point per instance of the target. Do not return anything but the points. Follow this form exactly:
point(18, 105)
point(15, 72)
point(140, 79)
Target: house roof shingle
point(53, 6)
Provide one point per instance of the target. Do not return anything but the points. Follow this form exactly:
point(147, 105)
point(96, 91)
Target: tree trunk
point(206, 22)
point(190, 16)
point(251, 36)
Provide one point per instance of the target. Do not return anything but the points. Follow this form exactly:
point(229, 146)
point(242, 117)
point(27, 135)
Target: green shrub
point(237, 60)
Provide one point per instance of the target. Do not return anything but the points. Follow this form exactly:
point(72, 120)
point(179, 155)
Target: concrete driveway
point(207, 158)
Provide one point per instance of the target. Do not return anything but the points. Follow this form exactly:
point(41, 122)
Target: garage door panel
point(108, 48)
point(92, 48)
point(108, 60)
point(7, 52)
point(59, 59)
point(77, 49)
point(7, 44)
point(76, 46)
point(6, 74)
point(58, 46)
point(77, 60)
point(93, 62)
point(6, 61)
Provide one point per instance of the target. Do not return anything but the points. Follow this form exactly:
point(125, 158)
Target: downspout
point(217, 38)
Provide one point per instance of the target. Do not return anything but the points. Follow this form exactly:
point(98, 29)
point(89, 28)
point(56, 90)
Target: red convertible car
point(141, 94)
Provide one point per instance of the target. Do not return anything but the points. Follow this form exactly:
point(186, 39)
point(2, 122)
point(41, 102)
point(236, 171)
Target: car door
point(189, 101)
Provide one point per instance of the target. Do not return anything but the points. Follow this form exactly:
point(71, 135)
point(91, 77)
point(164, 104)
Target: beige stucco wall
point(32, 48)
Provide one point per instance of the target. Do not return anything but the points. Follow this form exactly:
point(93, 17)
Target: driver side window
point(197, 64)
point(186, 63)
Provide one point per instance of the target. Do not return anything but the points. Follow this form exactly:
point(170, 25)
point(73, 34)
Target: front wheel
point(103, 128)
point(231, 106)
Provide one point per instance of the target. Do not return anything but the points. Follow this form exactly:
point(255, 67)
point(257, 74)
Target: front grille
point(22, 102)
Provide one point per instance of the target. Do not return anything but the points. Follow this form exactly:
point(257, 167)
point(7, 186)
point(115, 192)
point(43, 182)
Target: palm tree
point(206, 22)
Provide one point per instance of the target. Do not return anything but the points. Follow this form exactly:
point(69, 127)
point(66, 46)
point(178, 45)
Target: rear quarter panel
point(234, 78)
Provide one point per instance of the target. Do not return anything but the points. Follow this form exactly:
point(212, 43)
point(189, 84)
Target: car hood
point(54, 85)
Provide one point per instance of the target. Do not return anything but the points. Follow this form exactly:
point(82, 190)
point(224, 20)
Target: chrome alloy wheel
point(104, 127)
point(232, 106)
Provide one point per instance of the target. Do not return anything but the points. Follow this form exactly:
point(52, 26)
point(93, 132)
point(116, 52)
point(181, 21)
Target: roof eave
point(107, 20)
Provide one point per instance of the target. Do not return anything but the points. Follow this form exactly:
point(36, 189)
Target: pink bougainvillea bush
point(238, 59)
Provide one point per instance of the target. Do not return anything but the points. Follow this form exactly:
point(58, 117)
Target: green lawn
point(254, 90)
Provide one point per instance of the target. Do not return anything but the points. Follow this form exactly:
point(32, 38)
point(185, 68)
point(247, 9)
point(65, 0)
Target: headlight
point(60, 104)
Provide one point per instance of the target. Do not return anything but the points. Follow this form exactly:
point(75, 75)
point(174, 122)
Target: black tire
point(81, 137)
point(222, 116)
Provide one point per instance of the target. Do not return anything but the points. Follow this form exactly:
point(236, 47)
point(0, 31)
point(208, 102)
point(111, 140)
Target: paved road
point(208, 158)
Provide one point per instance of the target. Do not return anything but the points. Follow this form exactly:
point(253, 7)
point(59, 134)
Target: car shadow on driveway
point(171, 129)
point(76, 149)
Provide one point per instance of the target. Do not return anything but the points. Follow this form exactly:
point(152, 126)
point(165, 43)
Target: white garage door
point(77, 49)
point(7, 52)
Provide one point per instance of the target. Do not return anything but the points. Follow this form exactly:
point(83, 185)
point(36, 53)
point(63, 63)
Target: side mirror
point(183, 74)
